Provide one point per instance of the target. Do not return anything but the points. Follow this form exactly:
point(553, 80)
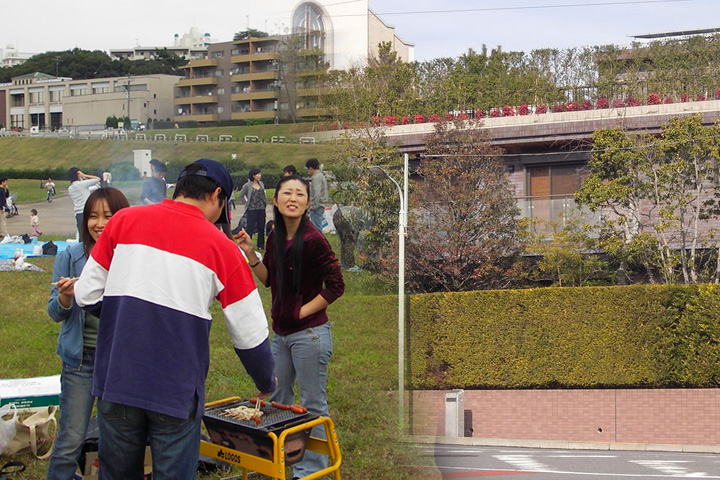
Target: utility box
point(455, 413)
point(141, 161)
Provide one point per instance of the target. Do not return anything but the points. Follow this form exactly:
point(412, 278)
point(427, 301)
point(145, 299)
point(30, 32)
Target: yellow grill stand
point(276, 467)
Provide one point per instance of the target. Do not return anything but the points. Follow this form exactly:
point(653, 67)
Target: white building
point(348, 32)
point(9, 56)
point(192, 45)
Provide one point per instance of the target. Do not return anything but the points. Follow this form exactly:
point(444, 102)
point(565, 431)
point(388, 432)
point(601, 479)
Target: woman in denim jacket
point(78, 332)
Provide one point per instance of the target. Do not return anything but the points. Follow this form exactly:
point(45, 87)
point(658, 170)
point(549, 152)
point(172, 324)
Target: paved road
point(482, 463)
point(57, 218)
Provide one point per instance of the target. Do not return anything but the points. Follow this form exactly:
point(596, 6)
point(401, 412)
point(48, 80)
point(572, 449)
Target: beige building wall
point(88, 103)
point(379, 32)
point(49, 102)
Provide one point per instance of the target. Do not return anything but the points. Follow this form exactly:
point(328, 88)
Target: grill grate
point(271, 419)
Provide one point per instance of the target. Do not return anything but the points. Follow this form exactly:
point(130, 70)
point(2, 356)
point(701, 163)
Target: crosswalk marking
point(670, 467)
point(522, 462)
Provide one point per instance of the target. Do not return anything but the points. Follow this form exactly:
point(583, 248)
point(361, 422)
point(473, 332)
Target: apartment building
point(192, 45)
point(249, 79)
point(49, 103)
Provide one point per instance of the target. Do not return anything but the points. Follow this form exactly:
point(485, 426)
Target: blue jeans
point(304, 356)
point(316, 216)
point(124, 434)
point(76, 403)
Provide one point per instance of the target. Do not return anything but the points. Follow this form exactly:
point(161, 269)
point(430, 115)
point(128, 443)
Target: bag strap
point(33, 433)
point(12, 467)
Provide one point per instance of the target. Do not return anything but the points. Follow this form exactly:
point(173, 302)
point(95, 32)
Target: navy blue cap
point(216, 172)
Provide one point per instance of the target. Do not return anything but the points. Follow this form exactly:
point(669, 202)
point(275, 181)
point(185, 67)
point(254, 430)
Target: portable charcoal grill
point(279, 440)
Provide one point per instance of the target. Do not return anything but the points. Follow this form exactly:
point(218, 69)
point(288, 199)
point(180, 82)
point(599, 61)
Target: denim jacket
point(68, 263)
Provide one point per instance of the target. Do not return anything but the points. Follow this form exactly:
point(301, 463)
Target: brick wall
point(663, 416)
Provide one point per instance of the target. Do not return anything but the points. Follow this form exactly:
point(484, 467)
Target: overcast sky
point(436, 28)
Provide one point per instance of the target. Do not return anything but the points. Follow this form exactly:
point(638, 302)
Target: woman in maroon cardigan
point(304, 278)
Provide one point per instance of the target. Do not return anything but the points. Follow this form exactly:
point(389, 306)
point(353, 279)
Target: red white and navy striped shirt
point(155, 271)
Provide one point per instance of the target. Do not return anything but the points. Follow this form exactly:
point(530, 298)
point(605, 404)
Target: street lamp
point(402, 233)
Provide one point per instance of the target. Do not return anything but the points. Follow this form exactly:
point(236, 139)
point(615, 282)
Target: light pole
point(402, 233)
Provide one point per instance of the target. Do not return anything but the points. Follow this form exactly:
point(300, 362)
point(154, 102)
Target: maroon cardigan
point(321, 275)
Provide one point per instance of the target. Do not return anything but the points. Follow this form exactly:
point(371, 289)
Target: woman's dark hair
point(72, 174)
point(290, 170)
point(197, 187)
point(115, 200)
point(296, 249)
point(253, 172)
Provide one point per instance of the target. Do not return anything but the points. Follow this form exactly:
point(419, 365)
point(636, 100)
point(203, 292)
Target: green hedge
point(655, 336)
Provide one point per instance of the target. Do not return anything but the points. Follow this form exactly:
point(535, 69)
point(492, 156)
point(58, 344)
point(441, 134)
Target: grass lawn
point(362, 376)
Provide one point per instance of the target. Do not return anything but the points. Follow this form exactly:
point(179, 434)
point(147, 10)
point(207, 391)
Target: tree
point(659, 185)
point(463, 229)
point(250, 32)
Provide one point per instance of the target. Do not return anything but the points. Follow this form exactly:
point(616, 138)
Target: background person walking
point(318, 193)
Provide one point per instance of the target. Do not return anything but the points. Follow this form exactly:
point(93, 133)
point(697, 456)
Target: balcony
point(196, 81)
point(255, 57)
point(208, 62)
point(246, 77)
point(259, 95)
point(207, 117)
point(553, 212)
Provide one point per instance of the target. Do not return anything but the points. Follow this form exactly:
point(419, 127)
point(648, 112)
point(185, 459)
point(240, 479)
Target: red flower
point(449, 116)
point(684, 97)
point(632, 102)
point(653, 99)
point(347, 125)
point(558, 108)
point(478, 113)
point(420, 118)
point(389, 120)
point(434, 118)
point(571, 107)
point(463, 116)
point(701, 97)
point(586, 105)
point(494, 113)
point(717, 93)
point(668, 99)
point(508, 111)
point(333, 126)
point(405, 120)
point(618, 103)
point(376, 120)
point(523, 110)
point(602, 102)
point(541, 109)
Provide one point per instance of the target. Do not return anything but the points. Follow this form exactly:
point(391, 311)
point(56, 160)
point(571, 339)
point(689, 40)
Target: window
point(221, 91)
point(37, 96)
point(551, 187)
point(56, 96)
point(78, 90)
point(308, 22)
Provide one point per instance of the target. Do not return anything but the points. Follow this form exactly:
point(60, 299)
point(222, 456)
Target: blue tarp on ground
point(7, 250)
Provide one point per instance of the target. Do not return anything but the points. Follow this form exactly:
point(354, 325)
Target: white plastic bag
point(7, 426)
